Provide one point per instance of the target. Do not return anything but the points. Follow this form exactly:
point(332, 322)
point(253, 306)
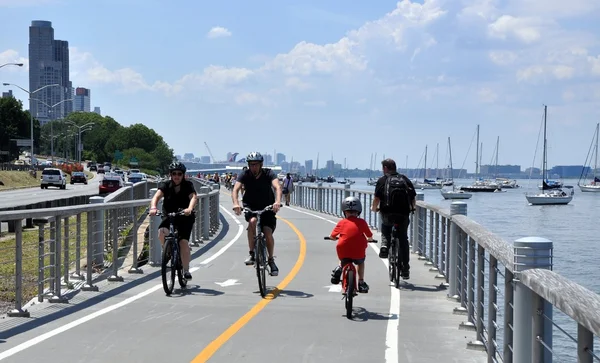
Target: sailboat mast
point(497, 146)
point(425, 165)
point(477, 155)
point(406, 164)
point(596, 157)
point(437, 160)
point(450, 153)
point(545, 151)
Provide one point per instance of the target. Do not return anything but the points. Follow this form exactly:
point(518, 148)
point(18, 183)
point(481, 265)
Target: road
point(221, 316)
point(17, 197)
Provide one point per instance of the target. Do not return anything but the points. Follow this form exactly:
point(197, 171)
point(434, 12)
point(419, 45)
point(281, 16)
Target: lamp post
point(30, 111)
point(79, 135)
point(12, 64)
point(51, 124)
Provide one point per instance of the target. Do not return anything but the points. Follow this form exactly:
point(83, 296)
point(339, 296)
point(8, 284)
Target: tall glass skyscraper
point(48, 64)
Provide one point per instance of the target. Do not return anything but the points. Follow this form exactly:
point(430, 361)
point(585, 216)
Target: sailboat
point(593, 186)
point(548, 195)
point(480, 185)
point(455, 193)
point(371, 180)
point(427, 183)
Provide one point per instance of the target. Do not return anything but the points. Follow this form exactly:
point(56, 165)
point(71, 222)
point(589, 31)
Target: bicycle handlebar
point(174, 214)
point(331, 239)
point(266, 209)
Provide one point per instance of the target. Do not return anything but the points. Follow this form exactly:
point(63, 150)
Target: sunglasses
point(253, 164)
point(177, 174)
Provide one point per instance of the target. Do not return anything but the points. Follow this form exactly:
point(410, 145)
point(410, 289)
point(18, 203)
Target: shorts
point(267, 219)
point(345, 261)
point(183, 225)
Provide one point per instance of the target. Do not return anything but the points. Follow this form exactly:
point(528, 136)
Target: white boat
point(594, 185)
point(455, 194)
point(548, 196)
point(480, 185)
point(426, 183)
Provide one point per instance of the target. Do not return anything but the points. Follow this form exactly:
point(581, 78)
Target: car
point(78, 177)
point(53, 177)
point(135, 178)
point(110, 183)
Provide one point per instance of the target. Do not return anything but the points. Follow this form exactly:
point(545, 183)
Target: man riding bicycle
point(258, 184)
point(179, 193)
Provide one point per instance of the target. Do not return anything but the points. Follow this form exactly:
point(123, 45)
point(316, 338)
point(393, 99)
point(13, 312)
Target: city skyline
point(355, 79)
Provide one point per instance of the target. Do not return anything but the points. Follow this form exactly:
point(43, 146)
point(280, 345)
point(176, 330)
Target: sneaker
point(383, 252)
point(363, 288)
point(405, 274)
point(336, 274)
point(187, 275)
point(273, 267)
point(249, 260)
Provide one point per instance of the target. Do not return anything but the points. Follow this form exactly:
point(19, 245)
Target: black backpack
point(397, 197)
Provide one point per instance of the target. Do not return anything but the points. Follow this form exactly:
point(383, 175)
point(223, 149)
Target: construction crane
point(210, 153)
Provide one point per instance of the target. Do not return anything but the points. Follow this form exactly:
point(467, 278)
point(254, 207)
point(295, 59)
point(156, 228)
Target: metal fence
point(76, 246)
point(507, 292)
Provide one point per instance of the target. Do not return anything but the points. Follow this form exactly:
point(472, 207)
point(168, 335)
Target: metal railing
point(77, 246)
point(507, 293)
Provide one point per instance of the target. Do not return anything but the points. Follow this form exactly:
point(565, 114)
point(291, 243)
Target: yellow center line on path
point(241, 322)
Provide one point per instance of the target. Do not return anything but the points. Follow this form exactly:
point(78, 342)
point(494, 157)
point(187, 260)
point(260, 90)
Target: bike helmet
point(352, 204)
point(176, 165)
point(254, 156)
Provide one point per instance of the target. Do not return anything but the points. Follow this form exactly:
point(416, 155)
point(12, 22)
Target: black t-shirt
point(258, 192)
point(380, 191)
point(174, 201)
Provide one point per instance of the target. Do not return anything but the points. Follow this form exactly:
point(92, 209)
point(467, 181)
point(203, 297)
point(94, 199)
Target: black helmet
point(254, 156)
point(176, 165)
point(352, 204)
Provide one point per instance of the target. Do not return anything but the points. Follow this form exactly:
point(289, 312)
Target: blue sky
point(334, 77)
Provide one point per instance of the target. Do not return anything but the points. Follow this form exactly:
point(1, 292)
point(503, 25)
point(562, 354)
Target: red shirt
point(352, 242)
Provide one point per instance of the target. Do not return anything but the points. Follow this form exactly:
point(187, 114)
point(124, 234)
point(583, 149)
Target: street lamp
point(51, 125)
point(30, 111)
point(12, 64)
point(80, 131)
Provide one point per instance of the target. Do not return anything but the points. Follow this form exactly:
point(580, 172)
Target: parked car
point(53, 177)
point(110, 183)
point(78, 177)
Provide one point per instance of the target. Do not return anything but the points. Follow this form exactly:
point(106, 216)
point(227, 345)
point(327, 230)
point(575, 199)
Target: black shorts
point(183, 225)
point(267, 219)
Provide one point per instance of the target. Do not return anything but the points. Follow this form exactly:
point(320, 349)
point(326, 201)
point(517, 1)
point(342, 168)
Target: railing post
point(346, 190)
point(115, 248)
point(41, 224)
point(89, 286)
point(155, 257)
point(18, 310)
point(529, 308)
point(205, 211)
point(57, 298)
point(456, 208)
point(416, 239)
point(319, 205)
point(97, 240)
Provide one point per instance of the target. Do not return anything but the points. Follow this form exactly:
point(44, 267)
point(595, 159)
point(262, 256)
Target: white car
point(53, 177)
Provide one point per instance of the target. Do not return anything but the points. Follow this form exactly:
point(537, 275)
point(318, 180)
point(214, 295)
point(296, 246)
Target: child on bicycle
point(353, 234)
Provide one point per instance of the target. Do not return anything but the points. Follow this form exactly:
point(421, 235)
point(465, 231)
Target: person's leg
point(269, 223)
point(404, 250)
point(386, 232)
point(362, 285)
point(251, 234)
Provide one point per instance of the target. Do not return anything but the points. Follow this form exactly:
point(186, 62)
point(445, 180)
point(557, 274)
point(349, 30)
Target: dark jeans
point(402, 221)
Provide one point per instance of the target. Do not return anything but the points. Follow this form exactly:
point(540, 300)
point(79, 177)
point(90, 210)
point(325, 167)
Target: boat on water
point(454, 193)
point(549, 195)
point(594, 185)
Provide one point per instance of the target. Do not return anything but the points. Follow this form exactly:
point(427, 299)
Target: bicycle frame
point(260, 251)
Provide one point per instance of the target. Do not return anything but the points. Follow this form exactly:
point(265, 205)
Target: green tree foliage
point(107, 135)
point(15, 124)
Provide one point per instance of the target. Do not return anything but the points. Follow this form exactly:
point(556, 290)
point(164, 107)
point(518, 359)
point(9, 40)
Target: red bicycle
point(349, 280)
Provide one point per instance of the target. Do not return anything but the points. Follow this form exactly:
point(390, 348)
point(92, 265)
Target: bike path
point(302, 321)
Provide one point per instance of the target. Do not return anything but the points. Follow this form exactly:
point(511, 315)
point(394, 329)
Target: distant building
point(97, 110)
point(81, 102)
point(7, 94)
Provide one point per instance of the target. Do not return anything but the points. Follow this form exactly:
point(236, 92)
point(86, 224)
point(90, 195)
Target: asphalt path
point(221, 317)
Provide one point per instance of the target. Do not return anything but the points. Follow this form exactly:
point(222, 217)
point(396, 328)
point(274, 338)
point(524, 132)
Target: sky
point(341, 78)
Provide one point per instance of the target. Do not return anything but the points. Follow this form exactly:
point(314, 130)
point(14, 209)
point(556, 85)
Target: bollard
point(346, 190)
point(416, 238)
point(529, 308)
point(155, 257)
point(456, 208)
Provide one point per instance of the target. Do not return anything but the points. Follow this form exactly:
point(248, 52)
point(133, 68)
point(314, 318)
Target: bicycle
point(171, 254)
point(394, 264)
point(260, 250)
point(349, 281)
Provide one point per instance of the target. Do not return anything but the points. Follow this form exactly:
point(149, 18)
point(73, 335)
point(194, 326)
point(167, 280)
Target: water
point(571, 227)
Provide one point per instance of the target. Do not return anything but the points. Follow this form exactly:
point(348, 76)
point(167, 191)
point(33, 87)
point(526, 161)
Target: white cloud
point(487, 95)
point(218, 32)
point(502, 57)
point(527, 30)
point(296, 83)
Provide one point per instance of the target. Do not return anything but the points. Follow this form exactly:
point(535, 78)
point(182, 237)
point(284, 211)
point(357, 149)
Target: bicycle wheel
point(260, 263)
point(179, 269)
point(349, 293)
point(167, 272)
point(396, 243)
point(392, 258)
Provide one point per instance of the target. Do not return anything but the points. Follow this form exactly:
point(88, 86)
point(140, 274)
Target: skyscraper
point(82, 100)
point(48, 64)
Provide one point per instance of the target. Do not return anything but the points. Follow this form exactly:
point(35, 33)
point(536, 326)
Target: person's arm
point(154, 202)
point(234, 197)
point(277, 187)
point(378, 192)
point(336, 232)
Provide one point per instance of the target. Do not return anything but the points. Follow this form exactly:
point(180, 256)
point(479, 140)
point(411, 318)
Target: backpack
point(396, 192)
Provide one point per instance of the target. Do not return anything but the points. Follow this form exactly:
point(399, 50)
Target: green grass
point(18, 179)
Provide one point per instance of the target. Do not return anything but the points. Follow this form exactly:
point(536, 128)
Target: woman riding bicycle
point(179, 193)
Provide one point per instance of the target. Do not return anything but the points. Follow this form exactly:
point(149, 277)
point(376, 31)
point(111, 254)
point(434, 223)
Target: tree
point(15, 124)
